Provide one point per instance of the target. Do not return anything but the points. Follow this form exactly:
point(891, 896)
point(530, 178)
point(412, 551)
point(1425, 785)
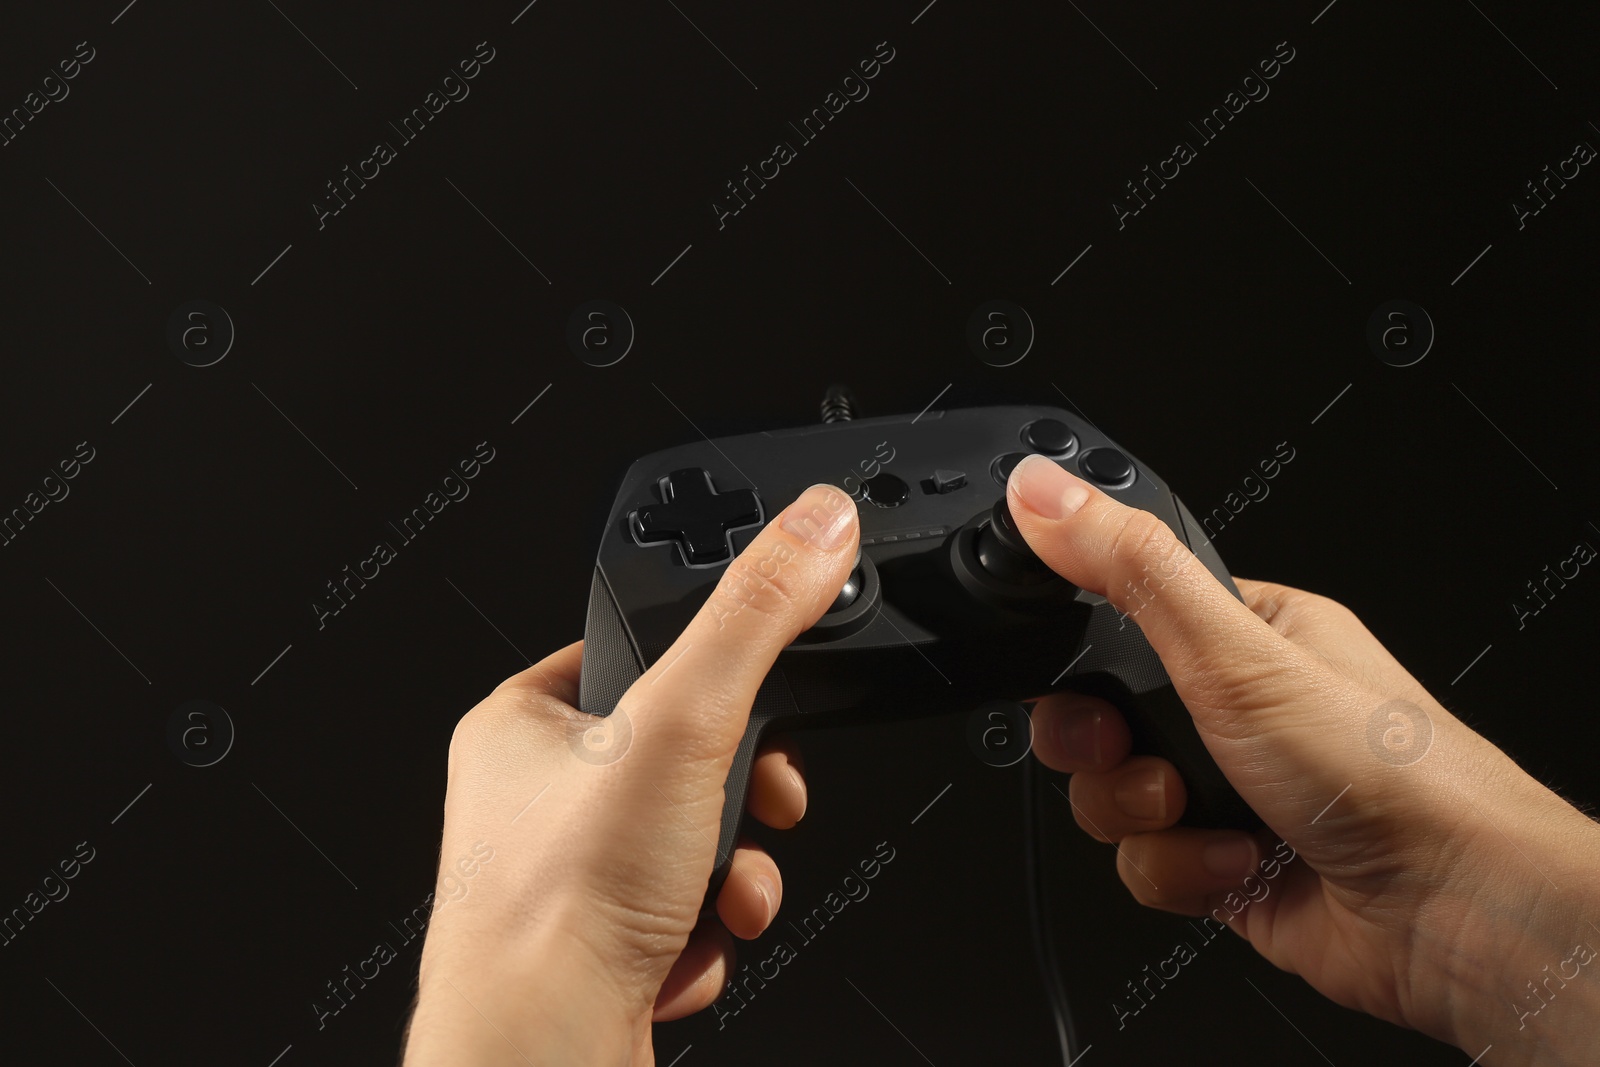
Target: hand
point(584, 924)
point(1427, 879)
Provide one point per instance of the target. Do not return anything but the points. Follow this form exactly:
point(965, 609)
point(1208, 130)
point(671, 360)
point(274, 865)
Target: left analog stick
point(851, 590)
point(848, 592)
point(857, 604)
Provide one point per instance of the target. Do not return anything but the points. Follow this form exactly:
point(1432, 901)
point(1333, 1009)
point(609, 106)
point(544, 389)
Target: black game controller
point(947, 608)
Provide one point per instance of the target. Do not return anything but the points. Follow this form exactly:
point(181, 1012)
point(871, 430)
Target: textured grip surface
point(610, 664)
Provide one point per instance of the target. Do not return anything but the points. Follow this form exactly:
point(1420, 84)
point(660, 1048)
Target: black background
point(408, 329)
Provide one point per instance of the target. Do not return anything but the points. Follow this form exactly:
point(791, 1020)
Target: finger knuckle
point(533, 678)
point(1270, 608)
point(466, 740)
point(763, 585)
point(1282, 607)
point(692, 734)
point(502, 721)
point(1331, 608)
point(1145, 555)
point(1140, 538)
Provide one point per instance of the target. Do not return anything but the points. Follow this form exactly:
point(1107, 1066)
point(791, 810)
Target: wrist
point(546, 1003)
point(1518, 969)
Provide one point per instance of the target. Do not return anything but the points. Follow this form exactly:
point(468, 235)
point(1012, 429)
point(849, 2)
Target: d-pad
point(696, 516)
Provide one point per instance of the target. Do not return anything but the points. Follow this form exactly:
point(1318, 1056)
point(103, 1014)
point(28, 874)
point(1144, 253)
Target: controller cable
point(1043, 940)
point(838, 404)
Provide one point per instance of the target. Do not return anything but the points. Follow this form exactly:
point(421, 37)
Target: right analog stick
point(1005, 553)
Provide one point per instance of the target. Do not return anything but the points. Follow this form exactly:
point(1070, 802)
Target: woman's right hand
point(1432, 882)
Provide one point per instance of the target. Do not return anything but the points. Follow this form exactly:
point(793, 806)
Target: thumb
point(1214, 647)
point(695, 699)
point(1269, 710)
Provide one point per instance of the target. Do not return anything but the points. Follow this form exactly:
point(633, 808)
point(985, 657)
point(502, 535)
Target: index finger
point(556, 675)
point(771, 592)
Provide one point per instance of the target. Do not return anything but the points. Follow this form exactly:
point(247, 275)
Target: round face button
point(887, 491)
point(1002, 467)
point(1050, 436)
point(1107, 466)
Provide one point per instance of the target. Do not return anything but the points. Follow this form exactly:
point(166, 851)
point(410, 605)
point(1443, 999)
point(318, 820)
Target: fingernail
point(822, 517)
point(800, 787)
point(1142, 793)
point(1231, 859)
point(769, 896)
point(1047, 490)
point(1079, 737)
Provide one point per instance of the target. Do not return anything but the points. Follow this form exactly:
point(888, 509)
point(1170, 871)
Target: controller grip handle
point(773, 702)
point(611, 666)
point(1161, 725)
point(735, 794)
point(1118, 665)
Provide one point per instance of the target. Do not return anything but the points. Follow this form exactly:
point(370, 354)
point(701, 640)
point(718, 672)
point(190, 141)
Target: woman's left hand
point(568, 910)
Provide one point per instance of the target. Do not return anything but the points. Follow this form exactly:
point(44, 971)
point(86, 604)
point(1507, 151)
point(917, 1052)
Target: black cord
point(1044, 944)
point(838, 404)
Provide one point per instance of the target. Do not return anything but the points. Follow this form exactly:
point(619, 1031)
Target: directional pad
point(696, 516)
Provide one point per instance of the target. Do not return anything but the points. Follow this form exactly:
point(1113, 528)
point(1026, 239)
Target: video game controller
point(947, 608)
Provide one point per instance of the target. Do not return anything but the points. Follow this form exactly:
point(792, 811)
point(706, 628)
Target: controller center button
point(1050, 436)
point(696, 516)
point(944, 481)
point(1107, 466)
point(887, 491)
